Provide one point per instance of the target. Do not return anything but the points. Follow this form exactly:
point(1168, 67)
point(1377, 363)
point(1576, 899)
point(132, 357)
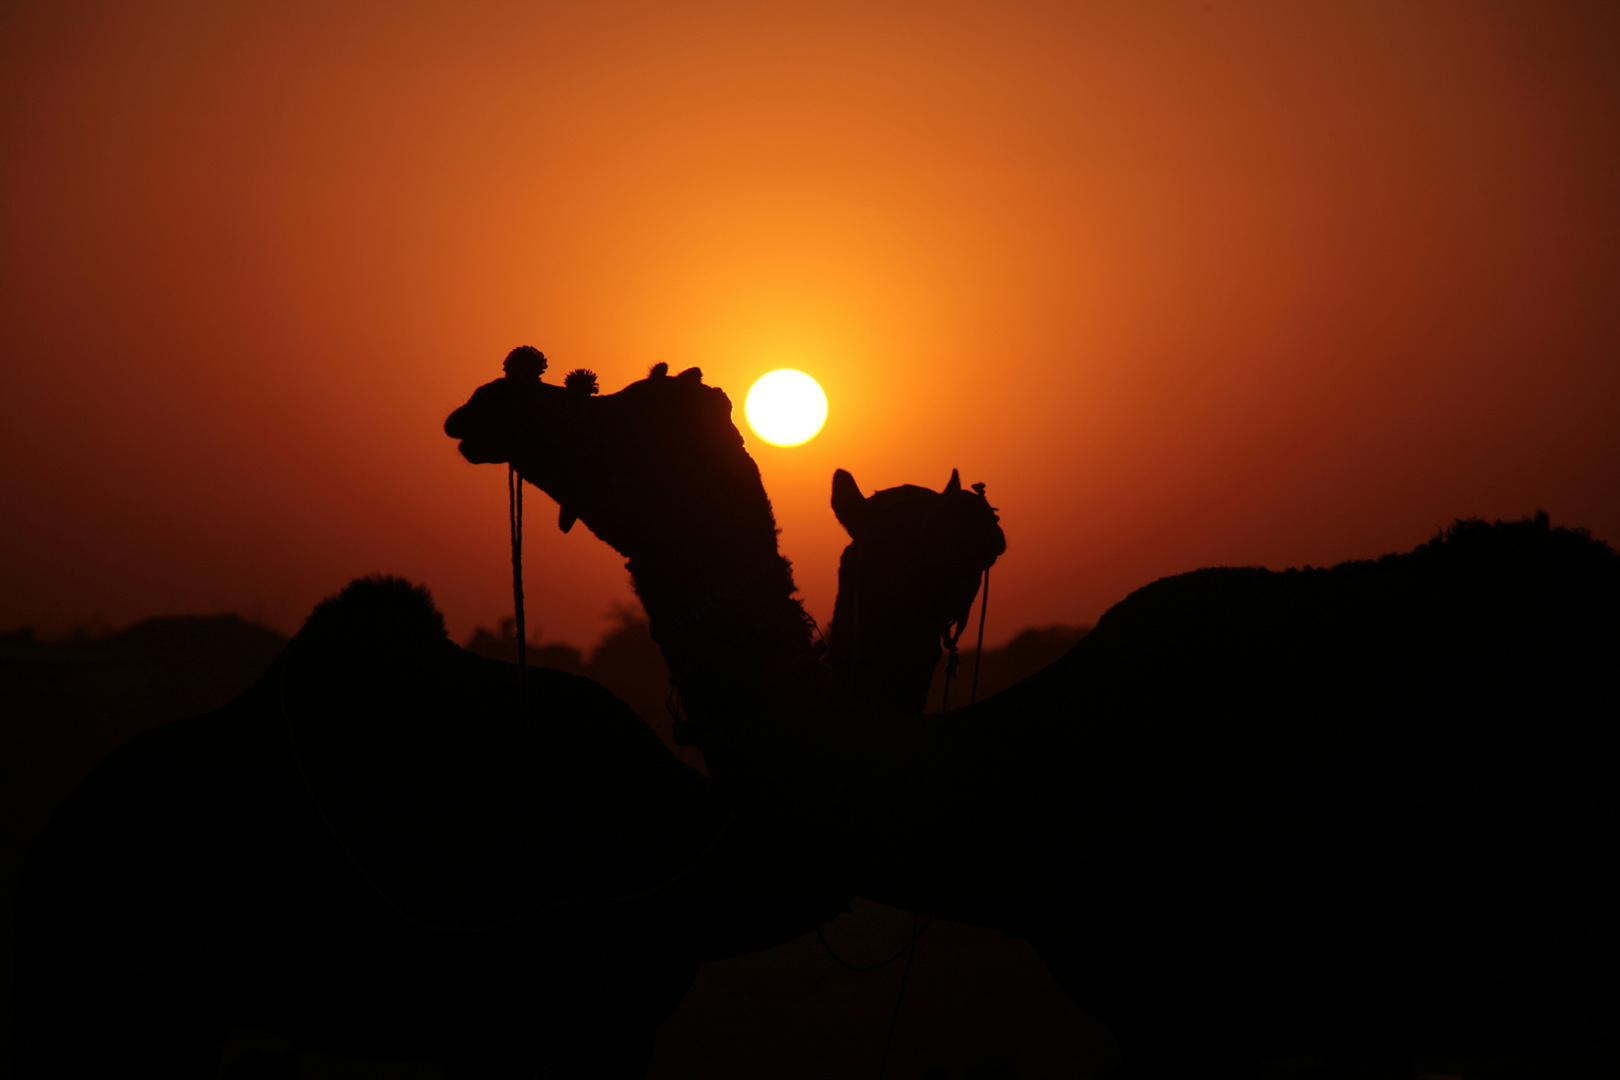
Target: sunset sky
point(1185, 284)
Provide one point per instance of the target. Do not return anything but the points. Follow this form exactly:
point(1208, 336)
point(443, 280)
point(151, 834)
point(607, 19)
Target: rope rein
point(514, 503)
point(916, 932)
point(905, 977)
point(978, 650)
point(909, 951)
point(952, 659)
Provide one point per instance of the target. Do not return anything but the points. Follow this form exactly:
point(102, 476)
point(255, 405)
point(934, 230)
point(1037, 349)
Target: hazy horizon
point(1185, 285)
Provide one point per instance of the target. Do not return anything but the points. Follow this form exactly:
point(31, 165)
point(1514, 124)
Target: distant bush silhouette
point(71, 701)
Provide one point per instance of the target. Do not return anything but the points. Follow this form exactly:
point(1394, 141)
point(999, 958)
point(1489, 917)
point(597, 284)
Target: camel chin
point(481, 453)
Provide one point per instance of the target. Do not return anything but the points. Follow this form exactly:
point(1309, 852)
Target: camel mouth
point(480, 453)
point(476, 447)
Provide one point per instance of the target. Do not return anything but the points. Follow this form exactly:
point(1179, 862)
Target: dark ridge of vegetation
point(67, 703)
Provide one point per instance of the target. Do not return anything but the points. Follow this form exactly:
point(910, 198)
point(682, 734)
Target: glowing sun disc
point(786, 407)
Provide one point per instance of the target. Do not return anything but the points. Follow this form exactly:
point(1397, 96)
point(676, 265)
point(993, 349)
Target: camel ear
point(691, 374)
point(847, 501)
point(954, 486)
point(659, 370)
point(566, 519)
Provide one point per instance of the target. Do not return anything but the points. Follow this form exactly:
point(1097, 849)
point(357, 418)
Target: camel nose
point(456, 424)
point(490, 421)
point(480, 451)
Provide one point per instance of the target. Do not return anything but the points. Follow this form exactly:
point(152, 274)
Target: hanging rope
point(894, 1017)
point(978, 650)
point(909, 951)
point(953, 660)
point(916, 932)
point(514, 502)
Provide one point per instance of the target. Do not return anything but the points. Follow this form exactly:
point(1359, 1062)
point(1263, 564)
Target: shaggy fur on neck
point(379, 613)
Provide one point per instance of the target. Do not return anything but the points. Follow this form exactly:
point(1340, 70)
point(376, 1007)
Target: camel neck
point(882, 646)
point(735, 638)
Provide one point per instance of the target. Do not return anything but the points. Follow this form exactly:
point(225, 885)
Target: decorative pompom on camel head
point(525, 362)
point(581, 381)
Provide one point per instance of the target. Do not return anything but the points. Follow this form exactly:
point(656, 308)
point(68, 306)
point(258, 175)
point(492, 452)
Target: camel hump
point(377, 613)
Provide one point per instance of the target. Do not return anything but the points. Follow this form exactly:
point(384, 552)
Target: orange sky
point(1185, 284)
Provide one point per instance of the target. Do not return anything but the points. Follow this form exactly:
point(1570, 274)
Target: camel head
point(655, 465)
point(915, 556)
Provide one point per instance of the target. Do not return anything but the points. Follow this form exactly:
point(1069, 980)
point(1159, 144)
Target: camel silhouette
point(908, 576)
point(383, 849)
point(1361, 812)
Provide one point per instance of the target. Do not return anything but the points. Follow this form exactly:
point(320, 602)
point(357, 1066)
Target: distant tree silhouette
point(1355, 811)
point(71, 701)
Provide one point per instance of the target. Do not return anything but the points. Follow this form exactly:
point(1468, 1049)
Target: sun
point(786, 407)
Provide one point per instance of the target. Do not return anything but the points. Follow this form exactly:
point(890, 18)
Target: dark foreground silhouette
point(1364, 812)
point(378, 852)
point(416, 764)
point(975, 997)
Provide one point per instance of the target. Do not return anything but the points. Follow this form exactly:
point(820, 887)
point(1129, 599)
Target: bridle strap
point(978, 650)
point(514, 500)
point(949, 640)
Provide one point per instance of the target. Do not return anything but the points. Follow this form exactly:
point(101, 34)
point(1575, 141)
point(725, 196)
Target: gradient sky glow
point(1185, 284)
